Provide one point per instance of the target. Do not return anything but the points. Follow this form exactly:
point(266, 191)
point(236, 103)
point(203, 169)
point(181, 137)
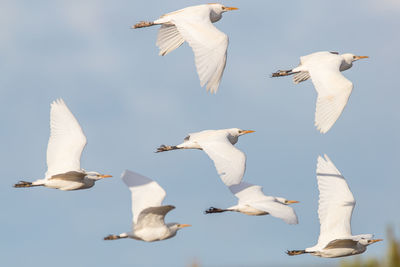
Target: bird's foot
point(142, 24)
point(280, 73)
point(163, 148)
point(112, 237)
point(295, 252)
point(214, 210)
point(23, 184)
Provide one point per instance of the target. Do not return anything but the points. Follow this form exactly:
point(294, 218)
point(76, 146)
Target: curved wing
point(246, 192)
point(229, 161)
point(153, 217)
point(145, 192)
point(208, 43)
point(66, 142)
point(278, 210)
point(168, 39)
point(332, 87)
point(336, 203)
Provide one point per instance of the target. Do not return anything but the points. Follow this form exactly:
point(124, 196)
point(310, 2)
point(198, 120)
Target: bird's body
point(148, 213)
point(195, 26)
point(336, 204)
point(252, 201)
point(324, 69)
point(64, 150)
point(229, 161)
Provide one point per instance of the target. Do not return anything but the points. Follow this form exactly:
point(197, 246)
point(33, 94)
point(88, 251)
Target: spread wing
point(209, 46)
point(332, 87)
point(145, 192)
point(247, 192)
point(66, 142)
point(336, 203)
point(168, 39)
point(153, 217)
point(229, 161)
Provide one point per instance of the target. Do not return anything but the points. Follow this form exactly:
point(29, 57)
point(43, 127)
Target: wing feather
point(278, 210)
point(153, 216)
point(168, 39)
point(66, 141)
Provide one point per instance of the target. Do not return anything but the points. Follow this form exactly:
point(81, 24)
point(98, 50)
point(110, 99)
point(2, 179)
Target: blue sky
point(129, 100)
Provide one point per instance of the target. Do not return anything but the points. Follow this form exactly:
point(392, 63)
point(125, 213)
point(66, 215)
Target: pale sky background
point(129, 100)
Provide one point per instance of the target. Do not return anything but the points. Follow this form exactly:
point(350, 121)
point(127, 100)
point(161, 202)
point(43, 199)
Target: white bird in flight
point(148, 214)
point(336, 204)
point(252, 201)
point(229, 161)
point(195, 25)
point(64, 150)
point(332, 87)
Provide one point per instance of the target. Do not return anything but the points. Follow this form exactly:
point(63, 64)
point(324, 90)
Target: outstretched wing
point(168, 39)
point(336, 203)
point(229, 161)
point(145, 192)
point(208, 43)
point(332, 87)
point(246, 192)
point(153, 217)
point(66, 142)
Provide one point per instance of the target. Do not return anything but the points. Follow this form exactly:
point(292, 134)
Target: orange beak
point(184, 225)
point(360, 57)
point(375, 240)
point(230, 8)
point(292, 201)
point(105, 176)
point(247, 131)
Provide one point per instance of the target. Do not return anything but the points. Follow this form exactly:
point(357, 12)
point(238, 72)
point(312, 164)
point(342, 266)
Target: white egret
point(252, 201)
point(336, 204)
point(229, 161)
point(148, 214)
point(195, 25)
point(64, 150)
point(332, 87)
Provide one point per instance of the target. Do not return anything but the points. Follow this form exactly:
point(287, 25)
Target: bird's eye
point(354, 57)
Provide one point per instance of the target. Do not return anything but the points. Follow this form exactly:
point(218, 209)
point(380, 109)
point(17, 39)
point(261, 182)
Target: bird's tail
point(22, 184)
point(143, 24)
point(214, 210)
point(163, 148)
point(281, 73)
point(295, 252)
point(115, 237)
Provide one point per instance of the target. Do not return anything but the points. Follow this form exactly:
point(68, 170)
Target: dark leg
point(295, 252)
point(163, 148)
point(24, 184)
point(114, 237)
point(142, 24)
point(214, 210)
point(280, 73)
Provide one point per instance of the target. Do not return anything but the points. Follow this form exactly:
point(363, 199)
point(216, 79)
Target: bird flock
point(194, 25)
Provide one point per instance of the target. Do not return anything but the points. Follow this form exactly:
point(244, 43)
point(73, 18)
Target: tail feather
point(22, 184)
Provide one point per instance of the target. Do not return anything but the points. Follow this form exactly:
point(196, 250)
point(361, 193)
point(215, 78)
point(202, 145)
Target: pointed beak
point(360, 57)
point(375, 240)
point(292, 201)
point(184, 225)
point(246, 132)
point(105, 176)
point(230, 8)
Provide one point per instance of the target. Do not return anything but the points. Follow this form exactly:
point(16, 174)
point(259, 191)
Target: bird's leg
point(115, 237)
point(163, 148)
point(280, 73)
point(143, 24)
point(214, 210)
point(22, 184)
point(295, 252)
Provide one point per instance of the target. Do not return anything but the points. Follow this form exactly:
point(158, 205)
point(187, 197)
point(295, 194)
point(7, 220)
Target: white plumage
point(64, 150)
point(332, 87)
point(147, 210)
point(336, 204)
point(195, 26)
point(252, 201)
point(229, 161)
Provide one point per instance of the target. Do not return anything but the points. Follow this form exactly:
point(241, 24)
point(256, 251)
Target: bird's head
point(367, 242)
point(219, 9)
point(350, 58)
point(285, 201)
point(238, 132)
point(96, 175)
point(174, 227)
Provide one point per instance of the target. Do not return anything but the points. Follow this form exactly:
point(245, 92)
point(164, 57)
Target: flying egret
point(336, 204)
point(229, 161)
point(64, 150)
point(195, 25)
point(148, 214)
point(332, 87)
point(252, 201)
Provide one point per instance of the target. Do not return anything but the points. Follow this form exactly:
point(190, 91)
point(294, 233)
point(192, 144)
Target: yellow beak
point(292, 201)
point(375, 240)
point(247, 131)
point(105, 176)
point(230, 8)
point(184, 225)
point(360, 57)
